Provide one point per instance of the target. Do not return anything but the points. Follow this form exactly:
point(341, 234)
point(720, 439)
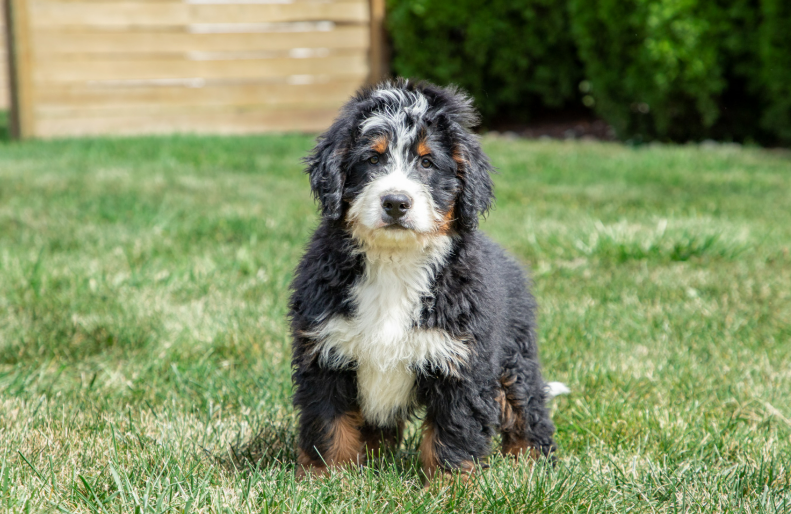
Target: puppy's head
point(400, 164)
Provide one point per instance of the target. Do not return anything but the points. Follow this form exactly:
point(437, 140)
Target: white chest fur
point(383, 338)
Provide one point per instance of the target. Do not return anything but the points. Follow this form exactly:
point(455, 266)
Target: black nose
point(396, 204)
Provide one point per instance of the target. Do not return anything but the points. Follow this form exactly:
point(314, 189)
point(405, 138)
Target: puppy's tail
point(556, 389)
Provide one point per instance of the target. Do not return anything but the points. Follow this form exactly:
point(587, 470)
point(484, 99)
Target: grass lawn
point(144, 349)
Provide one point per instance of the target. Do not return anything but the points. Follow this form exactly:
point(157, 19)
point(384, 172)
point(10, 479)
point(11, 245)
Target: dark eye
point(426, 162)
point(374, 159)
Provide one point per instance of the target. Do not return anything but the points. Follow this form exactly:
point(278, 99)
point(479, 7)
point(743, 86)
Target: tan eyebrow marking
point(380, 144)
point(423, 149)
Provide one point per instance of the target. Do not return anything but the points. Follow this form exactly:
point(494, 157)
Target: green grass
point(144, 346)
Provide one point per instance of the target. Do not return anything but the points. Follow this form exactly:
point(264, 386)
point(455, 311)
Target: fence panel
point(5, 93)
point(219, 66)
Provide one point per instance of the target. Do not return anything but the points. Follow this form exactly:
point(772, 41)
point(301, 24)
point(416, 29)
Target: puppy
point(400, 302)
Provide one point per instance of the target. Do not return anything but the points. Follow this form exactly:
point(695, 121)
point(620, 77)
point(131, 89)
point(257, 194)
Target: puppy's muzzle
point(396, 205)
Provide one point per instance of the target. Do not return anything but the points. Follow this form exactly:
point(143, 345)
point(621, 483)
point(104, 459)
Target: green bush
point(775, 48)
point(663, 68)
point(512, 56)
point(654, 69)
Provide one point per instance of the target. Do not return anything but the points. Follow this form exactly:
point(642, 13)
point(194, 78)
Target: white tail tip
point(556, 389)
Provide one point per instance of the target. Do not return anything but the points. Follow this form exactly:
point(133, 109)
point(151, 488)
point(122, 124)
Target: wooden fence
point(5, 94)
point(217, 66)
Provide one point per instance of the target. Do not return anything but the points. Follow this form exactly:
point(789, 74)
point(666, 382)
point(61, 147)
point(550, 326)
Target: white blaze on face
point(367, 207)
point(396, 176)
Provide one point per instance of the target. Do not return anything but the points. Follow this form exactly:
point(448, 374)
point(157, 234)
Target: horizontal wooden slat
point(253, 54)
point(83, 97)
point(128, 13)
point(43, 13)
point(44, 112)
point(57, 41)
point(356, 12)
point(120, 70)
point(218, 123)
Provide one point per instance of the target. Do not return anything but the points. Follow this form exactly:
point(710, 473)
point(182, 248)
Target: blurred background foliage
point(672, 70)
point(507, 54)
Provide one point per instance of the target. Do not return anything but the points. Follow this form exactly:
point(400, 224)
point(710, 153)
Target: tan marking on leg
point(428, 451)
point(379, 145)
point(507, 415)
point(429, 460)
point(512, 424)
point(345, 446)
point(346, 442)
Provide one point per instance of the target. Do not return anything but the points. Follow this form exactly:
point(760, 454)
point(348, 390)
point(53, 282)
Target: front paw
point(308, 466)
point(445, 475)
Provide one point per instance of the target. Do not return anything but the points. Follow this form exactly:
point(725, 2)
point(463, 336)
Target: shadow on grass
point(274, 444)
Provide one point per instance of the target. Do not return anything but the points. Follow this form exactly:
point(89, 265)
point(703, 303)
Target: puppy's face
point(403, 177)
point(400, 165)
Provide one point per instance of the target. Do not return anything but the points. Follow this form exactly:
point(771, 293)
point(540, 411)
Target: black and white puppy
point(399, 302)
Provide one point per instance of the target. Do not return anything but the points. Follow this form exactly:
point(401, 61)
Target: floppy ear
point(326, 168)
point(477, 189)
point(472, 166)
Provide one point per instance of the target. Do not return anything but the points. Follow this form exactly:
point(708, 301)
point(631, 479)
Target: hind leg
point(524, 419)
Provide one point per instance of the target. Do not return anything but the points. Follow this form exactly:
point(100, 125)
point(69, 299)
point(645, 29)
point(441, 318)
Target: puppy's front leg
point(457, 429)
point(330, 423)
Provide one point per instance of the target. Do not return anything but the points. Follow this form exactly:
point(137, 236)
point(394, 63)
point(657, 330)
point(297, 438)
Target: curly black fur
point(477, 295)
